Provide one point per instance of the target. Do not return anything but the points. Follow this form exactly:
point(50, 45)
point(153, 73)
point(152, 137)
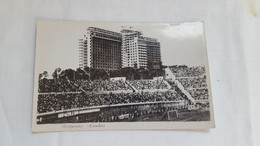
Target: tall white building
point(83, 52)
point(100, 49)
point(139, 51)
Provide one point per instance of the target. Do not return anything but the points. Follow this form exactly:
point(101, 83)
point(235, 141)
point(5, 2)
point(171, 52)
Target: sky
point(57, 42)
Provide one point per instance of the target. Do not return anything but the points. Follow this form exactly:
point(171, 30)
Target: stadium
point(175, 93)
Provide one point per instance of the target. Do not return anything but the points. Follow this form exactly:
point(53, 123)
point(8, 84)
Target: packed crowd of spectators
point(198, 82)
point(56, 102)
point(50, 85)
point(193, 79)
point(103, 85)
point(180, 71)
point(199, 94)
point(148, 84)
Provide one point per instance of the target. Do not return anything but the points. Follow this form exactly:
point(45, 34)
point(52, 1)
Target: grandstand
point(193, 79)
point(148, 84)
point(117, 99)
point(58, 102)
point(103, 85)
point(50, 85)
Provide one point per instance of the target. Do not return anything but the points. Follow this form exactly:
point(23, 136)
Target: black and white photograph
point(121, 76)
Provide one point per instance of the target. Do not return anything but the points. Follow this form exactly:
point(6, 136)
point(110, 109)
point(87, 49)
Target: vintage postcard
point(121, 76)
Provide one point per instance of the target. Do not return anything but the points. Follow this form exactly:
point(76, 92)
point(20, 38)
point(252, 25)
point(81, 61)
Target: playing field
point(194, 115)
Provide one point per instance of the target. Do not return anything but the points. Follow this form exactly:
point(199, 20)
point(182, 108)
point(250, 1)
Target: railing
point(114, 105)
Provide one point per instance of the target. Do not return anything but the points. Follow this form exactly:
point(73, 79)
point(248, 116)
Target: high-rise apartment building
point(83, 52)
point(139, 51)
point(100, 49)
point(153, 53)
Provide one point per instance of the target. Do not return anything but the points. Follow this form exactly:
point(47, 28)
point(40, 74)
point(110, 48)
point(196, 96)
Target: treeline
point(94, 74)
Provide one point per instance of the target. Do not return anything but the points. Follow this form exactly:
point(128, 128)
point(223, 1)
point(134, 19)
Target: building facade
point(139, 51)
point(83, 52)
point(100, 49)
point(153, 53)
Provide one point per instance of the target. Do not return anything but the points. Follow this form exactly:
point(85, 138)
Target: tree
point(87, 72)
point(67, 74)
point(130, 73)
point(141, 73)
point(40, 76)
point(81, 74)
point(135, 65)
point(43, 75)
point(56, 74)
